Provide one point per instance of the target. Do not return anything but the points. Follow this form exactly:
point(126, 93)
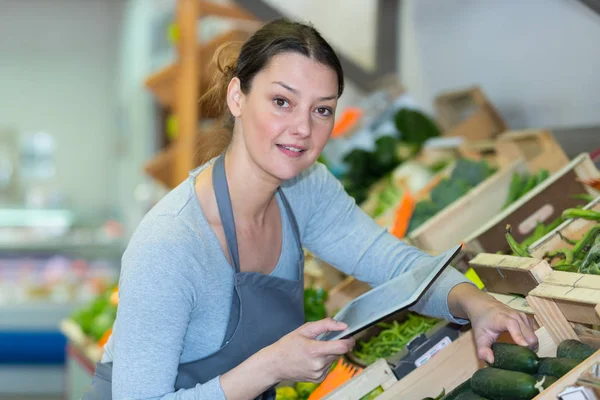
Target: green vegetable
point(463, 387)
point(465, 175)
point(448, 191)
point(565, 254)
point(373, 393)
point(514, 358)
point(473, 172)
point(392, 338)
point(285, 393)
point(514, 191)
point(514, 245)
point(547, 380)
point(591, 262)
point(556, 366)
point(469, 395)
point(586, 241)
point(574, 349)
point(423, 211)
point(567, 240)
point(314, 304)
point(415, 127)
point(541, 176)
point(305, 389)
point(583, 196)
point(500, 384)
point(530, 184)
point(583, 214)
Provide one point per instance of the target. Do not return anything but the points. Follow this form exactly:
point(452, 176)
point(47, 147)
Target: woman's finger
point(514, 328)
point(528, 332)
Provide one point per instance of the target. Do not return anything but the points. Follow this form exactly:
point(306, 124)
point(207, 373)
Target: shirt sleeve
point(156, 299)
point(340, 233)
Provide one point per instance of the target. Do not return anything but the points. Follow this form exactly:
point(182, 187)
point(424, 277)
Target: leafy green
point(415, 127)
point(465, 175)
point(305, 389)
point(314, 304)
point(393, 337)
point(473, 172)
point(448, 190)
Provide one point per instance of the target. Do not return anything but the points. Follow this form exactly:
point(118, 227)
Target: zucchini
point(439, 396)
point(514, 358)
point(500, 384)
point(463, 387)
point(547, 380)
point(469, 395)
point(574, 349)
point(556, 366)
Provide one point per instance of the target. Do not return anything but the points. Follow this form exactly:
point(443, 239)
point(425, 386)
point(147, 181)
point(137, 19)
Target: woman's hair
point(276, 37)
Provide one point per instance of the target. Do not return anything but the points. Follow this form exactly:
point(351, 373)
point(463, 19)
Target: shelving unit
point(179, 86)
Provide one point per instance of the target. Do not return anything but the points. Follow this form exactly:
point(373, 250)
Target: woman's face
point(285, 120)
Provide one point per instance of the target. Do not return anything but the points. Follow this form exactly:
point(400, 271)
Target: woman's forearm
point(249, 379)
point(464, 298)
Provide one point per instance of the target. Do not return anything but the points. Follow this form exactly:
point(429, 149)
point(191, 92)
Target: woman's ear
point(234, 97)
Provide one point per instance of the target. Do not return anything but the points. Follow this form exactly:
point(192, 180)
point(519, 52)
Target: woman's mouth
point(291, 151)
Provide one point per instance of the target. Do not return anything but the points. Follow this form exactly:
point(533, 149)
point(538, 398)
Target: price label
point(433, 351)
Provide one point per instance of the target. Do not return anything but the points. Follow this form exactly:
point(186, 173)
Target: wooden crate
point(378, 374)
point(469, 114)
point(544, 203)
point(565, 298)
point(465, 215)
point(441, 371)
point(510, 275)
point(537, 147)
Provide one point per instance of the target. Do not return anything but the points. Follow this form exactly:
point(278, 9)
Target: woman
point(211, 290)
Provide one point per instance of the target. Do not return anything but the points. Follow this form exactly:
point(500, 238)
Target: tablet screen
point(398, 293)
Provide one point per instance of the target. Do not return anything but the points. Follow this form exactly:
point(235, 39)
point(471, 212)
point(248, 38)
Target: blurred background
point(99, 111)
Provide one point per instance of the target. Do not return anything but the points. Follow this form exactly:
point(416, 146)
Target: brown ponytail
point(213, 140)
point(276, 37)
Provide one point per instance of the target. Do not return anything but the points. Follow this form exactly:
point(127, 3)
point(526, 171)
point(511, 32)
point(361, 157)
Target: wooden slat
point(572, 279)
point(208, 8)
point(514, 302)
point(569, 379)
point(377, 374)
point(537, 147)
point(508, 274)
point(578, 295)
point(551, 317)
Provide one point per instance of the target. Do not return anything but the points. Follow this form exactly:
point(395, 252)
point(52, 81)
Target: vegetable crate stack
point(468, 113)
point(568, 300)
point(538, 147)
point(517, 373)
point(457, 373)
point(537, 212)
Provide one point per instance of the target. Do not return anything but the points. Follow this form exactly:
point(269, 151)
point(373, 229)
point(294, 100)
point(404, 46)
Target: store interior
point(99, 114)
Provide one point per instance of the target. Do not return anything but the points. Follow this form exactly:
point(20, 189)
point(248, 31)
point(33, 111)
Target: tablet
point(386, 299)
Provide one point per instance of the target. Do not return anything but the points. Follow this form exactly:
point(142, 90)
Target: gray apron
point(264, 308)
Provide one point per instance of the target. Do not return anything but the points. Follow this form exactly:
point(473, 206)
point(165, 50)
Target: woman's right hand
point(299, 357)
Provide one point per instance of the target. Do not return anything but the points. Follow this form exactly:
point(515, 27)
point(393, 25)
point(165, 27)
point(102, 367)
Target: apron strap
point(219, 178)
point(292, 218)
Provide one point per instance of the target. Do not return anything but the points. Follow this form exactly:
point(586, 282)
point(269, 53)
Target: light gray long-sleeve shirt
point(176, 284)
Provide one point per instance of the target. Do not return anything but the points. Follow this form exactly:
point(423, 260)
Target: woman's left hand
point(489, 318)
point(492, 318)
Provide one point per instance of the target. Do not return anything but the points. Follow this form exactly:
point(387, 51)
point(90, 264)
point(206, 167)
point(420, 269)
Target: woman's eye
point(281, 103)
point(324, 111)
